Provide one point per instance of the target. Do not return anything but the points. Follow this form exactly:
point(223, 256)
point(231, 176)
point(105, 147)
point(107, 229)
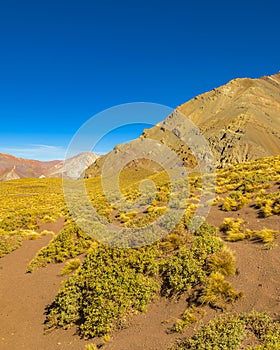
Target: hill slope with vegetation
point(201, 270)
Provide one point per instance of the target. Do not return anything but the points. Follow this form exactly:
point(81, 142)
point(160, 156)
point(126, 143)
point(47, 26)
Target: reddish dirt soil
point(23, 297)
point(258, 268)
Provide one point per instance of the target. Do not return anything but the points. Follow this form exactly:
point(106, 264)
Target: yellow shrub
point(232, 229)
point(70, 266)
point(265, 235)
point(218, 292)
point(222, 261)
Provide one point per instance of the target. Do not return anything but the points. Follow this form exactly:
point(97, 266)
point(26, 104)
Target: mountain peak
point(239, 119)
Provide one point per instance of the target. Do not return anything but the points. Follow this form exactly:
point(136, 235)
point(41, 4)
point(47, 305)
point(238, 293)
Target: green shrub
point(189, 317)
point(222, 333)
point(70, 242)
point(181, 272)
point(263, 327)
point(229, 331)
point(9, 243)
point(111, 283)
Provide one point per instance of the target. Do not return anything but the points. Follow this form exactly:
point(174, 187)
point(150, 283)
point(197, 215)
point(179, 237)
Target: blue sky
point(62, 62)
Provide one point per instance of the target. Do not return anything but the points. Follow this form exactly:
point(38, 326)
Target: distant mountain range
point(240, 120)
point(12, 168)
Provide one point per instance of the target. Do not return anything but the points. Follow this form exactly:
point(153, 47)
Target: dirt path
point(149, 330)
point(23, 298)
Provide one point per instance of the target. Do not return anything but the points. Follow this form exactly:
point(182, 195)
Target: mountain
point(240, 121)
point(10, 175)
point(12, 168)
point(74, 167)
point(23, 167)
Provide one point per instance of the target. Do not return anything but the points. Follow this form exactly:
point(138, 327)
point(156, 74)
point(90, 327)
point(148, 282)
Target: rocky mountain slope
point(12, 168)
point(240, 120)
point(73, 167)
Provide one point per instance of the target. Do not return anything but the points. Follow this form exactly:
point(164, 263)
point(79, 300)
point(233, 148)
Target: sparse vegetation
point(229, 332)
point(24, 203)
point(190, 316)
point(8, 243)
point(112, 283)
point(69, 243)
point(234, 230)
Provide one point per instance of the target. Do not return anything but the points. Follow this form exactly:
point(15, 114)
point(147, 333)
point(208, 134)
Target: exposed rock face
point(240, 121)
point(74, 167)
point(12, 168)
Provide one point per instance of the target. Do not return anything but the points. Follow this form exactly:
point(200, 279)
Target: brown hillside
point(12, 168)
point(240, 120)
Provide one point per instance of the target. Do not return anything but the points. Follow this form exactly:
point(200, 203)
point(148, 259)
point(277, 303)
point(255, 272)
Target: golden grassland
point(114, 282)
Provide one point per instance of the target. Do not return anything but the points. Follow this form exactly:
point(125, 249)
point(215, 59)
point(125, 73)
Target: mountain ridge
point(240, 120)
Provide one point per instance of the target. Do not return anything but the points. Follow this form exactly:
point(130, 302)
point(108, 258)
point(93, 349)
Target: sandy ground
point(23, 297)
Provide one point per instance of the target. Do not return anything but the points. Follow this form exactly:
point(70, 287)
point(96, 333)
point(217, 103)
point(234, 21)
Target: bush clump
point(235, 201)
point(218, 292)
point(9, 243)
point(229, 331)
point(70, 242)
point(70, 266)
point(110, 283)
point(234, 230)
point(190, 316)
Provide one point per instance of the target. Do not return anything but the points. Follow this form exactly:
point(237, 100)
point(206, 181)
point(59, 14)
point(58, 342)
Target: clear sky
point(62, 61)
